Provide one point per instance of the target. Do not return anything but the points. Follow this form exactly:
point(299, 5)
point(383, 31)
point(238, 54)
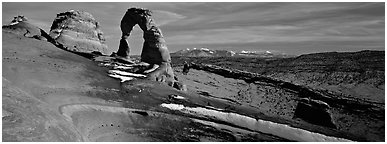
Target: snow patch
point(232, 53)
point(122, 78)
point(177, 97)
point(14, 23)
point(126, 73)
point(109, 64)
point(269, 127)
point(214, 108)
point(244, 51)
point(122, 67)
point(205, 49)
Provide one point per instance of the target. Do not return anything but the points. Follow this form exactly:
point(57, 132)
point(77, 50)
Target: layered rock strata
point(78, 31)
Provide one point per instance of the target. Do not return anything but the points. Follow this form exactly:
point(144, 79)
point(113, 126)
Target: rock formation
point(78, 31)
point(155, 51)
point(20, 25)
point(314, 111)
point(17, 19)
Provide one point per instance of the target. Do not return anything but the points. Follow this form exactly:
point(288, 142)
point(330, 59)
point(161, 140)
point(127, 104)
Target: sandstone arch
point(154, 51)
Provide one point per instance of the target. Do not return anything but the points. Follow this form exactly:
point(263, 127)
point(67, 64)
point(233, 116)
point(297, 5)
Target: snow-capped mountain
point(257, 53)
point(206, 52)
point(203, 52)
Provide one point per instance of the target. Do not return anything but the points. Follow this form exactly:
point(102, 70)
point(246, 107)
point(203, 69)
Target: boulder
point(78, 31)
point(164, 74)
point(315, 112)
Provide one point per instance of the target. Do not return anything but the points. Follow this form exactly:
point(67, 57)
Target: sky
point(284, 27)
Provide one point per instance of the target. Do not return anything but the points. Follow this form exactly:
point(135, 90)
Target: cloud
point(235, 24)
point(355, 31)
point(165, 17)
point(284, 23)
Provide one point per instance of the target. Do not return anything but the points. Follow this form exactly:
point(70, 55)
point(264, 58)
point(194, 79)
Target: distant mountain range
point(205, 52)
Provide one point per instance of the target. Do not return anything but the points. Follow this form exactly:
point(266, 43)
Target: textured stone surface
point(78, 31)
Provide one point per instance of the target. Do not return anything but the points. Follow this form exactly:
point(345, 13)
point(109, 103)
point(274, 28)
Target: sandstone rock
point(20, 25)
point(314, 111)
point(155, 51)
point(17, 19)
point(78, 31)
point(163, 74)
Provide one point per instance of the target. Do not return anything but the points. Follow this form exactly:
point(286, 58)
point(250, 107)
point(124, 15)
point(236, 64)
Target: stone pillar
point(155, 50)
point(127, 24)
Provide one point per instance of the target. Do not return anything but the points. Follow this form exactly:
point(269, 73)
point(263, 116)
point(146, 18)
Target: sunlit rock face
point(78, 31)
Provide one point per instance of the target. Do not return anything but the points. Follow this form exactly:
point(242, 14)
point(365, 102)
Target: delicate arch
point(154, 50)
